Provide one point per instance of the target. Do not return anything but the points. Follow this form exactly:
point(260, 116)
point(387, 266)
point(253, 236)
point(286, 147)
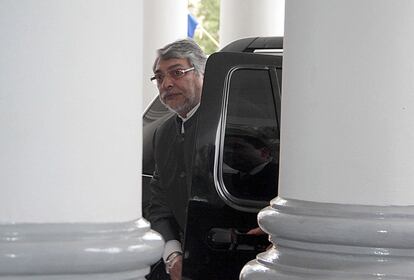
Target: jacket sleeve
point(159, 213)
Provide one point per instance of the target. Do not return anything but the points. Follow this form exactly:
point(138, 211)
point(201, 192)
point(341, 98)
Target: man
point(178, 73)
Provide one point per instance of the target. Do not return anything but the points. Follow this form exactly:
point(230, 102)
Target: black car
point(237, 131)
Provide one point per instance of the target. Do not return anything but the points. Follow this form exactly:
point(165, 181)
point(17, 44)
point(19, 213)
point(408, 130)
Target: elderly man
point(178, 75)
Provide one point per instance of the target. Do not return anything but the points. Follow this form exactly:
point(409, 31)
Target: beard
point(182, 108)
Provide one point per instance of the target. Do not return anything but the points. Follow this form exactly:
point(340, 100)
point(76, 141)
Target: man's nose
point(167, 82)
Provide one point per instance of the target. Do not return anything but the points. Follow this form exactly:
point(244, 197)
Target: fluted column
point(70, 156)
point(250, 18)
point(164, 22)
point(345, 206)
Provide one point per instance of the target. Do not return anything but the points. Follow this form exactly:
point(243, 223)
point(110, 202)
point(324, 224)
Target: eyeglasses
point(176, 74)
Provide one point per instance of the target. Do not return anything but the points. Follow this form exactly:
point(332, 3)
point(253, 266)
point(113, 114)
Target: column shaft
point(345, 205)
point(70, 164)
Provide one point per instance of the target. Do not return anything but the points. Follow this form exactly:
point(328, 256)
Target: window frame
point(246, 205)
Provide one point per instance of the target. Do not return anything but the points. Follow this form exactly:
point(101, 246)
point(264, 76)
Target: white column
point(164, 22)
point(70, 164)
point(250, 18)
point(345, 206)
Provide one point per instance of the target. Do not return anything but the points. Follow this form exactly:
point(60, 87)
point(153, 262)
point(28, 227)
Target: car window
point(250, 144)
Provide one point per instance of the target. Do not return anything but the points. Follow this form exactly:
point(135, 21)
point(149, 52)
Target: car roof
point(255, 44)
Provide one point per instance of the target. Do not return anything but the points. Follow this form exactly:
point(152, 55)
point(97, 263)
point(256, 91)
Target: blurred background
point(204, 23)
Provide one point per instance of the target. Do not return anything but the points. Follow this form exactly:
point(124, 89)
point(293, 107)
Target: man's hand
point(175, 268)
point(256, 231)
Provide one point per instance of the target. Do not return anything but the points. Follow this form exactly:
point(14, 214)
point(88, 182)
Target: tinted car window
point(250, 157)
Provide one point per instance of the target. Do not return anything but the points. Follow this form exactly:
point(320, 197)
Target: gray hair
point(185, 48)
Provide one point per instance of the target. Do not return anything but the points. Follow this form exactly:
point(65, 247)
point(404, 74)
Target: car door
point(237, 131)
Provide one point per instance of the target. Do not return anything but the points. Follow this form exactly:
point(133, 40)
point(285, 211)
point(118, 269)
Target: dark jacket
point(171, 183)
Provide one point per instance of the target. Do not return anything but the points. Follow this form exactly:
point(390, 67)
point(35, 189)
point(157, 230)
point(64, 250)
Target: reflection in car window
point(251, 142)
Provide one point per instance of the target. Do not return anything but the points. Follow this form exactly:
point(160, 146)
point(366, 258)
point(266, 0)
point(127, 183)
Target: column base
point(334, 241)
point(107, 251)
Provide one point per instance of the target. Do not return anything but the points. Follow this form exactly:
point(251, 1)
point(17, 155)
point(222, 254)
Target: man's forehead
point(167, 64)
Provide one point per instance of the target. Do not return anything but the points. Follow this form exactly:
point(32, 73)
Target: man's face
point(182, 94)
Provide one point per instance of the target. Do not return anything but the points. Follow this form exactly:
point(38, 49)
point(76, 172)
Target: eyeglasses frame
point(154, 80)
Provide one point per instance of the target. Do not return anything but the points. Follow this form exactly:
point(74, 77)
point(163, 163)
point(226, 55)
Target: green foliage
point(207, 13)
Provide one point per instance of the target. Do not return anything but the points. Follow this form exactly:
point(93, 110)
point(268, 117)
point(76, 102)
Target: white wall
point(345, 201)
point(164, 21)
point(347, 119)
point(69, 111)
point(70, 141)
point(250, 18)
